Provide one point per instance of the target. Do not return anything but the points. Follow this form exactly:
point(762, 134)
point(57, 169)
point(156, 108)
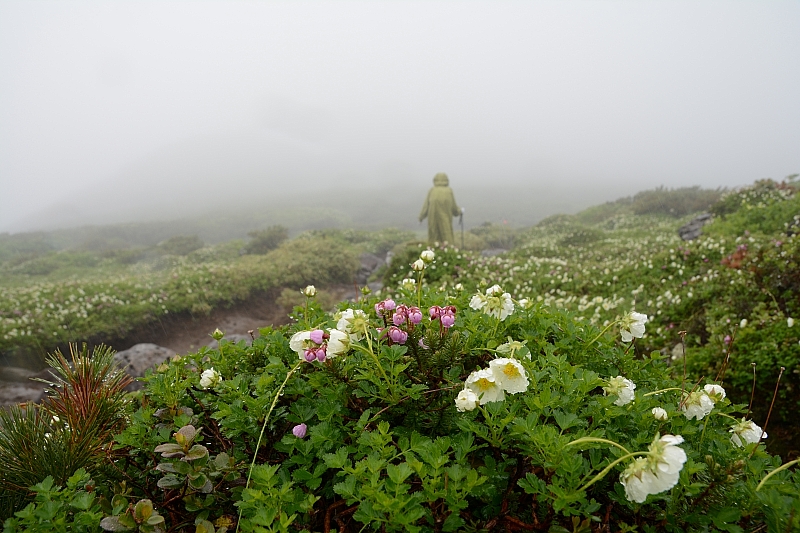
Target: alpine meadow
point(593, 373)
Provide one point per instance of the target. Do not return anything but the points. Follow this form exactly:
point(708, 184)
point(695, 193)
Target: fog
point(129, 111)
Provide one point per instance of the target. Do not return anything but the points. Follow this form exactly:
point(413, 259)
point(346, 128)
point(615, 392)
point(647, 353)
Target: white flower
point(494, 290)
point(458, 287)
point(622, 388)
point(659, 413)
point(632, 325)
point(298, 342)
point(747, 431)
point(715, 392)
point(418, 265)
point(338, 343)
point(466, 400)
point(354, 323)
point(310, 291)
point(210, 378)
point(657, 472)
point(409, 284)
point(484, 384)
point(427, 256)
point(743, 323)
point(510, 375)
point(789, 322)
point(698, 405)
point(494, 303)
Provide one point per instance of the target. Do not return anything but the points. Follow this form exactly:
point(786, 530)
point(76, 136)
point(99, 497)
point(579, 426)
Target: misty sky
point(114, 108)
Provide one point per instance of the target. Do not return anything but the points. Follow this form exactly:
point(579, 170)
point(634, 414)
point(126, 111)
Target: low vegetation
point(598, 376)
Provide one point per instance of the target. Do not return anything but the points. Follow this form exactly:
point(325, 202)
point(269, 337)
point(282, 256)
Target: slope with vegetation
point(519, 392)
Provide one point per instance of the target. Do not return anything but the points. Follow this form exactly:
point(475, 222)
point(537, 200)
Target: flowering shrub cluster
point(466, 421)
point(747, 266)
point(110, 302)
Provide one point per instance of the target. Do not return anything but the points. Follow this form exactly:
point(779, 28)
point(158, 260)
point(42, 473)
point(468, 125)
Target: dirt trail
point(186, 333)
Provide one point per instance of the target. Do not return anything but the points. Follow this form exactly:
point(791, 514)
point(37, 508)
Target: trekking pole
point(461, 221)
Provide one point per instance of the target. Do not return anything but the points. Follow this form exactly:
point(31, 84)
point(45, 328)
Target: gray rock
point(694, 228)
point(369, 264)
point(13, 373)
point(140, 357)
point(15, 393)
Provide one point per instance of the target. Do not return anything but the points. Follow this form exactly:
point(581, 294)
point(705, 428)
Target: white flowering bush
point(442, 417)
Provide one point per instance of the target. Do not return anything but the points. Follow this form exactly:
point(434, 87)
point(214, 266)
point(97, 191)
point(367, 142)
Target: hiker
point(440, 208)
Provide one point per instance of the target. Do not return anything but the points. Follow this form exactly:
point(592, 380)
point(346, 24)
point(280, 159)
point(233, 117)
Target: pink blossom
point(321, 354)
point(317, 336)
point(399, 318)
point(448, 321)
point(397, 335)
point(300, 431)
point(414, 315)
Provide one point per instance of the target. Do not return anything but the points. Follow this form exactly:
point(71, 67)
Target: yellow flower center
point(511, 371)
point(484, 384)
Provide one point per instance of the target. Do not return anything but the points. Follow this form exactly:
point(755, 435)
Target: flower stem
point(782, 467)
point(264, 428)
point(602, 333)
point(660, 391)
point(607, 469)
point(583, 440)
point(371, 353)
point(419, 288)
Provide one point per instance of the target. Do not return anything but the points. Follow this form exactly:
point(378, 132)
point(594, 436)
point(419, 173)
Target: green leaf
point(170, 482)
point(143, 510)
point(336, 460)
point(112, 523)
point(399, 473)
point(198, 451)
point(565, 420)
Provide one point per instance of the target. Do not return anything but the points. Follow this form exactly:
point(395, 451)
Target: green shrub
point(57, 509)
point(265, 240)
point(373, 438)
point(495, 235)
point(70, 430)
point(674, 202)
point(180, 245)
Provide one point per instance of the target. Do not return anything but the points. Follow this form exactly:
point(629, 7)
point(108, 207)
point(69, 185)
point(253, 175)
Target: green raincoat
point(440, 208)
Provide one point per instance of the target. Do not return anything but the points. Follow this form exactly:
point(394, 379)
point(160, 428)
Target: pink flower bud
point(398, 335)
point(300, 431)
point(414, 315)
point(316, 336)
point(727, 339)
point(310, 355)
point(448, 321)
point(389, 304)
point(435, 312)
point(399, 318)
point(380, 308)
point(321, 355)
